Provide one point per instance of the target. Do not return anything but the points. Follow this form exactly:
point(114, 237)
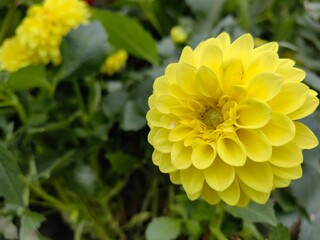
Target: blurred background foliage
point(74, 159)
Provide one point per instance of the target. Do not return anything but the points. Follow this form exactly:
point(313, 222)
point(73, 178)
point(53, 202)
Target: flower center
point(212, 117)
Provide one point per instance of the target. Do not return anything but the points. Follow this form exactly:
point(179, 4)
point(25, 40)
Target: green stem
point(19, 108)
point(80, 99)
point(216, 228)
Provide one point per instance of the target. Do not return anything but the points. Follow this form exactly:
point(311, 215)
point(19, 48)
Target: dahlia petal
point(210, 195)
point(156, 157)
point(252, 113)
point(308, 107)
point(257, 176)
point(169, 121)
point(219, 176)
point(231, 195)
point(161, 86)
point(203, 155)
point(264, 86)
point(153, 117)
point(207, 82)
point(241, 47)
point(286, 62)
point(244, 200)
point(268, 47)
point(181, 155)
point(304, 137)
point(231, 151)
point(279, 130)
point(192, 180)
point(290, 98)
point(232, 72)
point(186, 78)
point(256, 144)
point(171, 73)
point(187, 56)
point(280, 182)
point(264, 62)
point(179, 132)
point(286, 156)
point(287, 173)
point(224, 40)
point(258, 197)
point(211, 57)
point(160, 140)
point(164, 103)
point(175, 177)
point(193, 196)
point(165, 164)
point(291, 74)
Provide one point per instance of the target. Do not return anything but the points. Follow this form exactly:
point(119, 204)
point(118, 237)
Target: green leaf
point(28, 77)
point(11, 187)
point(133, 118)
point(30, 222)
point(127, 33)
point(163, 228)
point(255, 213)
point(121, 162)
point(309, 231)
point(113, 103)
point(279, 232)
point(83, 51)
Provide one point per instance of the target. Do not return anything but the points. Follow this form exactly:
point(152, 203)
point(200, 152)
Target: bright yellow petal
point(252, 113)
point(158, 137)
point(287, 173)
point(291, 74)
point(244, 200)
point(231, 195)
point(181, 155)
point(232, 72)
point(207, 83)
point(153, 117)
point(286, 156)
point(193, 196)
point(280, 182)
point(268, 47)
point(156, 157)
point(186, 78)
point(192, 180)
point(231, 151)
point(211, 57)
point(175, 177)
point(279, 130)
point(164, 103)
point(165, 164)
point(161, 86)
point(224, 40)
point(203, 155)
point(256, 144)
point(241, 47)
point(264, 86)
point(257, 176)
point(179, 132)
point(304, 137)
point(308, 107)
point(171, 73)
point(210, 195)
point(187, 56)
point(256, 196)
point(290, 98)
point(219, 175)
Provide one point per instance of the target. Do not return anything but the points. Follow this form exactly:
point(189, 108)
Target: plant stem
point(216, 228)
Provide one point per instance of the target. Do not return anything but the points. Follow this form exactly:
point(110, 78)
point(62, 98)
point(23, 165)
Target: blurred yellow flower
point(178, 34)
point(223, 121)
point(115, 62)
point(41, 31)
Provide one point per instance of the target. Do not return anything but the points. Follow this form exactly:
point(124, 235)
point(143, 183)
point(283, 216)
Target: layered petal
point(231, 151)
point(203, 155)
point(192, 180)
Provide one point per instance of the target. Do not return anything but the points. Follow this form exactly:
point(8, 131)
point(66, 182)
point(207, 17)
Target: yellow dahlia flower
point(224, 123)
point(114, 62)
point(41, 31)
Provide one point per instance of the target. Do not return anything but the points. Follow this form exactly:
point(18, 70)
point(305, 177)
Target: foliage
point(74, 158)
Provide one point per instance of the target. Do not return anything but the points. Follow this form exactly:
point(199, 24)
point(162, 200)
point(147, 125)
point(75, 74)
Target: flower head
point(41, 31)
point(224, 123)
point(178, 34)
point(114, 62)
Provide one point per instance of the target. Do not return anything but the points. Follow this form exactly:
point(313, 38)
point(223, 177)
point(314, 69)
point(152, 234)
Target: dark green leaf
point(255, 213)
point(128, 34)
point(83, 51)
point(163, 228)
point(279, 232)
point(28, 77)
point(309, 231)
point(11, 187)
point(113, 103)
point(133, 118)
point(121, 162)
